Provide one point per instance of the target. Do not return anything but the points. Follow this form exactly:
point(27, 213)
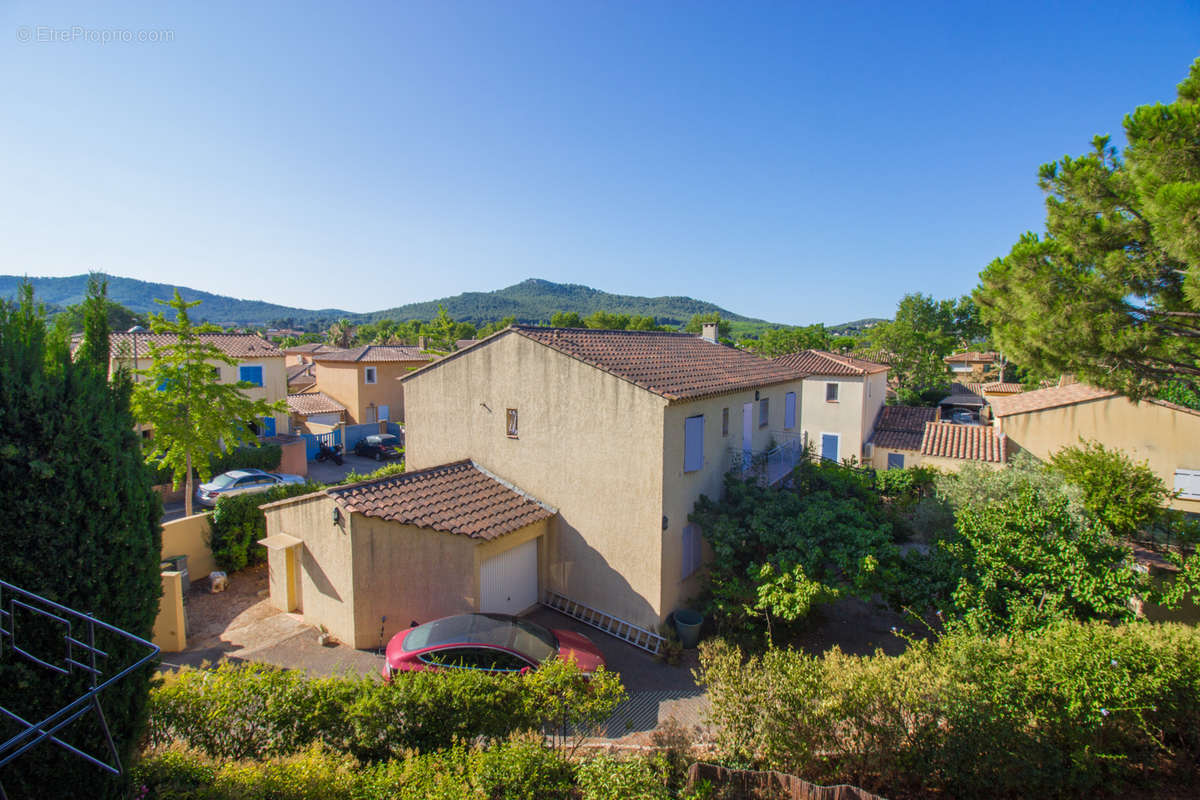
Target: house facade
point(912, 436)
point(842, 397)
point(973, 366)
point(366, 380)
point(1164, 435)
point(259, 363)
point(620, 431)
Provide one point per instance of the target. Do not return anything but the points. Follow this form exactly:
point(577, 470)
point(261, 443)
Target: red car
point(490, 642)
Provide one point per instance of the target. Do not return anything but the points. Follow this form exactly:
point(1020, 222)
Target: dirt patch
point(212, 616)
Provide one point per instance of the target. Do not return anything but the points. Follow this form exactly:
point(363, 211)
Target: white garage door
point(508, 583)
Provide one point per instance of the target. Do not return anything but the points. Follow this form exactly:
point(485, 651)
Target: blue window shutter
point(268, 426)
point(693, 443)
point(789, 410)
point(252, 375)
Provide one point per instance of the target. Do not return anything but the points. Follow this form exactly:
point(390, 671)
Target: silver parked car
point(241, 481)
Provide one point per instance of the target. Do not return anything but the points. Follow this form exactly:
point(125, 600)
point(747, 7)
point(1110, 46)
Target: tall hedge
point(81, 527)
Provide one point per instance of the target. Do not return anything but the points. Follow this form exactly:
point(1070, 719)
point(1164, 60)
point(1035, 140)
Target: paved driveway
point(329, 472)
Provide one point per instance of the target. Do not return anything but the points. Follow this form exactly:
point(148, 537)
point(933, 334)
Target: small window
point(789, 410)
point(693, 551)
point(693, 443)
point(251, 375)
point(831, 393)
point(510, 423)
point(764, 412)
point(724, 421)
point(895, 461)
point(369, 375)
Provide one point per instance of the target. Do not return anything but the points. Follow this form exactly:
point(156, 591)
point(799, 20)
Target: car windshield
point(224, 481)
point(498, 630)
point(388, 440)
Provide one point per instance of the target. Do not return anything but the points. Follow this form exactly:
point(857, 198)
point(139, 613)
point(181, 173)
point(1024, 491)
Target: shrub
point(638, 778)
point(392, 468)
point(237, 524)
point(523, 767)
point(1125, 496)
point(1059, 713)
point(265, 711)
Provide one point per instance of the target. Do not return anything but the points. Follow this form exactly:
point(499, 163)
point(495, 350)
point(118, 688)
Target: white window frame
point(789, 411)
point(692, 554)
point(693, 443)
point(837, 391)
point(370, 375)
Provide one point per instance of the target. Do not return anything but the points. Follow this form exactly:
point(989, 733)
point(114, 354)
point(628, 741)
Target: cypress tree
point(82, 528)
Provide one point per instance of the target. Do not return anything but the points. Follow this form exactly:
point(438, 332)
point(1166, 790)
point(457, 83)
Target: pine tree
point(81, 527)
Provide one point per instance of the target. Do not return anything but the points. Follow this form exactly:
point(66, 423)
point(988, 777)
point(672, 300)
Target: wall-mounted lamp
point(756, 394)
point(665, 522)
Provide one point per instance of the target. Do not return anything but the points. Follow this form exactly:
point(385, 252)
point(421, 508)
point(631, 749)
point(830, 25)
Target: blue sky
point(796, 162)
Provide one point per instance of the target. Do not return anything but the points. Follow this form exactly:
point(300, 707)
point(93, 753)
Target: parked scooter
point(327, 453)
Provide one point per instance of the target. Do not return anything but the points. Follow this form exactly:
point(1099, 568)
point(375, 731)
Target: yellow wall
point(682, 489)
point(171, 624)
point(914, 458)
point(274, 386)
point(589, 444)
point(189, 537)
point(1164, 438)
point(346, 383)
point(851, 417)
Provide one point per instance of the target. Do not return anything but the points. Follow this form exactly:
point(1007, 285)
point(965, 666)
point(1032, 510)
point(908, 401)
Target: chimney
point(422, 342)
point(709, 332)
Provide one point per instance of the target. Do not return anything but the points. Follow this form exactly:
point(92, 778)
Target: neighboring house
point(1164, 435)
point(910, 436)
point(974, 363)
point(303, 353)
point(842, 398)
point(541, 460)
point(368, 559)
point(259, 363)
point(312, 409)
point(366, 380)
point(300, 377)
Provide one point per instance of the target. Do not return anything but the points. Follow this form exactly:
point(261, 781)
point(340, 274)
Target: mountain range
point(530, 301)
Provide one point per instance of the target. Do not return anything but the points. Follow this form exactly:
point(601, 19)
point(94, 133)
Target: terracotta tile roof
point(885, 357)
point(1042, 399)
point(375, 353)
point(971, 442)
point(460, 344)
point(1002, 388)
point(453, 498)
point(902, 427)
point(307, 403)
point(297, 372)
point(964, 394)
point(677, 366)
point(973, 356)
point(822, 362)
point(311, 347)
point(234, 345)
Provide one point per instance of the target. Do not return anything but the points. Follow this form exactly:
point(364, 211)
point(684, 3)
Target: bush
point(1059, 713)
point(237, 524)
point(638, 778)
point(392, 468)
point(264, 711)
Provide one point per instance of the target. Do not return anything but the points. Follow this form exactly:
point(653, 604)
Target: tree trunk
point(187, 488)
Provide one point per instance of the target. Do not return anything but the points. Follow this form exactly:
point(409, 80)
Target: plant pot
point(687, 625)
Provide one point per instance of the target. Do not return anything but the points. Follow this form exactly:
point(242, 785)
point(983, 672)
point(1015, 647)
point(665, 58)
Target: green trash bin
point(687, 625)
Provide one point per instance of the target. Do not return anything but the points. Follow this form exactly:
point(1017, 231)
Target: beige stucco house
point(911, 436)
point(620, 431)
point(972, 365)
point(1164, 435)
point(842, 397)
point(314, 412)
point(259, 363)
point(366, 380)
point(368, 559)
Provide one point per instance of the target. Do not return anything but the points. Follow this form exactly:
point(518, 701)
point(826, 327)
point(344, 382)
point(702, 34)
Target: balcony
point(769, 467)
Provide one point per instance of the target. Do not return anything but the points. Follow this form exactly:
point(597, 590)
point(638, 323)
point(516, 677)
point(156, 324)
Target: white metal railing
point(769, 466)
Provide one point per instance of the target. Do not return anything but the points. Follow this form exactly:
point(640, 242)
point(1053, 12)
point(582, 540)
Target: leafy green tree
point(1027, 561)
point(119, 317)
point(193, 414)
point(498, 325)
point(781, 341)
point(81, 528)
point(1110, 292)
point(923, 333)
point(696, 324)
point(604, 321)
point(566, 319)
point(340, 334)
point(1125, 496)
